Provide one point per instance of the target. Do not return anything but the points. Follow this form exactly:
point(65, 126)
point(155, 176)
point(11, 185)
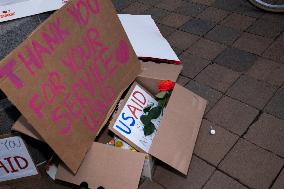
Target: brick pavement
point(233, 56)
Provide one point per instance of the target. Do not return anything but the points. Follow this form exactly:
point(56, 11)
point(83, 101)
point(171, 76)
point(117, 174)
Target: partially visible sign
point(13, 9)
point(128, 124)
point(15, 160)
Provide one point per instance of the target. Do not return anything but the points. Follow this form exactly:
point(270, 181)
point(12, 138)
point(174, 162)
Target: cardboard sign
point(128, 124)
point(15, 160)
point(67, 75)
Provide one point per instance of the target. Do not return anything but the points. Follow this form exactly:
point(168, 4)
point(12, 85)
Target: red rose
point(166, 85)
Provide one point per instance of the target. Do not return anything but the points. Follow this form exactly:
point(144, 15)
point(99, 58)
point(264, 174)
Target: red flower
point(166, 85)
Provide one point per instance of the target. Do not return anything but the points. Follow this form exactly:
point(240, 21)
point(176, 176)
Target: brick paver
point(276, 104)
point(276, 50)
point(268, 71)
point(204, 2)
point(213, 14)
point(191, 9)
point(252, 43)
point(252, 165)
point(182, 40)
point(221, 181)
point(192, 65)
point(153, 185)
point(266, 28)
point(238, 21)
point(211, 95)
point(199, 170)
point(268, 133)
point(182, 80)
point(198, 26)
point(136, 8)
point(156, 13)
point(170, 5)
point(236, 59)
point(213, 148)
point(217, 77)
point(175, 20)
point(223, 34)
point(233, 56)
point(232, 115)
point(279, 183)
point(206, 49)
point(252, 92)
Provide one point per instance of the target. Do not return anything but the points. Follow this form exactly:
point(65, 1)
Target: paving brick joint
point(233, 55)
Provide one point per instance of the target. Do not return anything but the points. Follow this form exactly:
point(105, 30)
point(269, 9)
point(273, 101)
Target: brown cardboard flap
point(160, 71)
point(106, 166)
point(22, 126)
point(65, 77)
point(152, 73)
point(176, 136)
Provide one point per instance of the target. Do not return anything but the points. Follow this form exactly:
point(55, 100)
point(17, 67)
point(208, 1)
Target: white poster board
point(146, 38)
point(13, 9)
point(15, 160)
point(128, 123)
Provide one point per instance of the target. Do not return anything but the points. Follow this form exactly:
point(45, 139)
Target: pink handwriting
point(82, 9)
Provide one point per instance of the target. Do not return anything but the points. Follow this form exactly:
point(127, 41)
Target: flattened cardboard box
point(67, 75)
point(173, 144)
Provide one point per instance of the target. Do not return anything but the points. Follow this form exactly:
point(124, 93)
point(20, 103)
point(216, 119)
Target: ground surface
point(233, 55)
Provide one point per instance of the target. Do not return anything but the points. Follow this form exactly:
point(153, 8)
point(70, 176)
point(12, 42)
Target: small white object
point(212, 131)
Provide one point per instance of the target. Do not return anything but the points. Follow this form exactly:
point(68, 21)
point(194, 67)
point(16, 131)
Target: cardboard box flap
point(160, 71)
point(152, 73)
point(176, 136)
point(106, 166)
point(22, 126)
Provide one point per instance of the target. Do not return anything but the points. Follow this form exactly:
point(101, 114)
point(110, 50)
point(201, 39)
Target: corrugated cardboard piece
point(111, 168)
point(22, 126)
point(176, 136)
point(66, 76)
point(153, 73)
point(175, 139)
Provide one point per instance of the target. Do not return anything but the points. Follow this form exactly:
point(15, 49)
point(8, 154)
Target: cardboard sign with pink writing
point(15, 160)
point(67, 75)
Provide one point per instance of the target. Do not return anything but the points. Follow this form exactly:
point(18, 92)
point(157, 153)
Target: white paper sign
point(15, 161)
point(128, 123)
point(13, 9)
